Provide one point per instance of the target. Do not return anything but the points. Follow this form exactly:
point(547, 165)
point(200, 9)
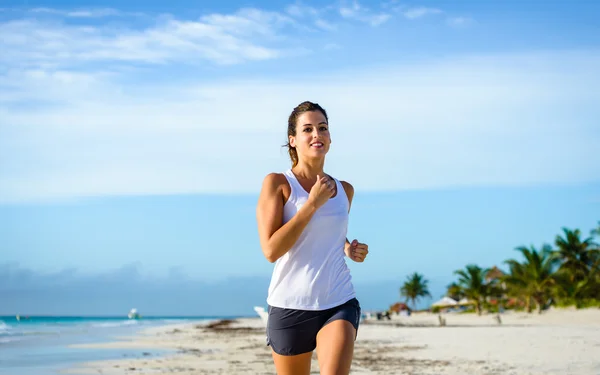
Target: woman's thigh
point(335, 347)
point(292, 364)
point(335, 341)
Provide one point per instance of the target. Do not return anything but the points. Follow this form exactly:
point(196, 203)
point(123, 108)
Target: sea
point(40, 345)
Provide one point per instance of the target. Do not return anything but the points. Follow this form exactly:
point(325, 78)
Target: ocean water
point(40, 345)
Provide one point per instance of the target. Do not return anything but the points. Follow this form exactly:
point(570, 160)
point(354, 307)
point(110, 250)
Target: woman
point(302, 217)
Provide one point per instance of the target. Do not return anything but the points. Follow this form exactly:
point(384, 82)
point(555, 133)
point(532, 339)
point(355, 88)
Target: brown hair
point(292, 122)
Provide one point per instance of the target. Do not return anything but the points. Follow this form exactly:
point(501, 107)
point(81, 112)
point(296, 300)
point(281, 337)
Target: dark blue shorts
point(292, 332)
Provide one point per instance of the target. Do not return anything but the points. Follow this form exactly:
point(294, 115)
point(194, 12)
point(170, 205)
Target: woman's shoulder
point(276, 182)
point(347, 185)
point(348, 189)
point(275, 178)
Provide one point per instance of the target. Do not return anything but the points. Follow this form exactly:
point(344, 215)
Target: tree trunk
point(540, 304)
point(528, 304)
point(478, 306)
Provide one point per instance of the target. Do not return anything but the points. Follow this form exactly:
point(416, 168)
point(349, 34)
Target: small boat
point(264, 315)
point(133, 314)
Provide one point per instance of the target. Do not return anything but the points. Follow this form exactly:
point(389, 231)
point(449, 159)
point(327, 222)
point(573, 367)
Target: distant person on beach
point(302, 217)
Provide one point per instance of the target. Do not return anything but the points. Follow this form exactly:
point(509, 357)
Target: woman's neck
point(309, 169)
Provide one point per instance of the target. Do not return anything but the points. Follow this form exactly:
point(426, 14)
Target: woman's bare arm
point(275, 237)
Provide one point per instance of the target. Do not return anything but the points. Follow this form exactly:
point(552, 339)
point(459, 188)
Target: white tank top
point(313, 274)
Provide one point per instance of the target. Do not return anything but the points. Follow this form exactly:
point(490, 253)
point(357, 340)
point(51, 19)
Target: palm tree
point(596, 231)
point(414, 288)
point(576, 255)
point(578, 292)
point(516, 282)
point(534, 278)
point(473, 284)
point(454, 291)
point(594, 278)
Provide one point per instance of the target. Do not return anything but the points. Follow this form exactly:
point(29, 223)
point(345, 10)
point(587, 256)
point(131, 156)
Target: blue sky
point(134, 139)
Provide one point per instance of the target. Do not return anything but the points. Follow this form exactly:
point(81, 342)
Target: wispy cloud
point(459, 21)
point(249, 22)
point(82, 113)
point(72, 13)
point(418, 12)
point(355, 11)
point(222, 39)
point(246, 35)
point(84, 13)
point(415, 13)
point(482, 120)
point(299, 10)
point(325, 25)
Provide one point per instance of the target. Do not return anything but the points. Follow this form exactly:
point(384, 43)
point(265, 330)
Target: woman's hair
point(292, 122)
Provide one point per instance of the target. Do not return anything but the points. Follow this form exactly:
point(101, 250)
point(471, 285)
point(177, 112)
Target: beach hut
point(400, 308)
point(445, 302)
point(494, 274)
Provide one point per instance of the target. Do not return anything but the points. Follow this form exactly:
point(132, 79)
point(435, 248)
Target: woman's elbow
point(270, 256)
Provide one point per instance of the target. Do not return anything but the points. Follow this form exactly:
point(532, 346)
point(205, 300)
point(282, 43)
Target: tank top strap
point(296, 189)
point(339, 186)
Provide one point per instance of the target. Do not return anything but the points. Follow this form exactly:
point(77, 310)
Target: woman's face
point(312, 135)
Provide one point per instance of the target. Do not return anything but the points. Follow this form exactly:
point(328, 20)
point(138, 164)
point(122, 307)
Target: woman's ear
point(292, 141)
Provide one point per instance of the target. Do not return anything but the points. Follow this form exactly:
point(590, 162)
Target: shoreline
point(555, 342)
point(46, 346)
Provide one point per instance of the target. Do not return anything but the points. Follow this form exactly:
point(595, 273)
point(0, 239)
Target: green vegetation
point(563, 275)
point(414, 288)
point(473, 285)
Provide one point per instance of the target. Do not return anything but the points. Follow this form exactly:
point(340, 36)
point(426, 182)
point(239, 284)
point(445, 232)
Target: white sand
point(556, 342)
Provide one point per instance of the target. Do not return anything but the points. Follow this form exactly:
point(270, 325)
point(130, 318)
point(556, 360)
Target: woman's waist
point(320, 242)
point(310, 266)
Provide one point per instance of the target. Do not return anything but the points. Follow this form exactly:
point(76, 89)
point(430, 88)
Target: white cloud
point(216, 38)
point(77, 121)
point(418, 12)
point(355, 11)
point(249, 22)
point(82, 13)
point(318, 17)
point(488, 120)
point(459, 21)
point(246, 35)
point(299, 10)
point(324, 25)
point(414, 13)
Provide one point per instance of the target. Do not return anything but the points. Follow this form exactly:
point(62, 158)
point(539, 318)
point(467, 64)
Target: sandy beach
point(556, 342)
